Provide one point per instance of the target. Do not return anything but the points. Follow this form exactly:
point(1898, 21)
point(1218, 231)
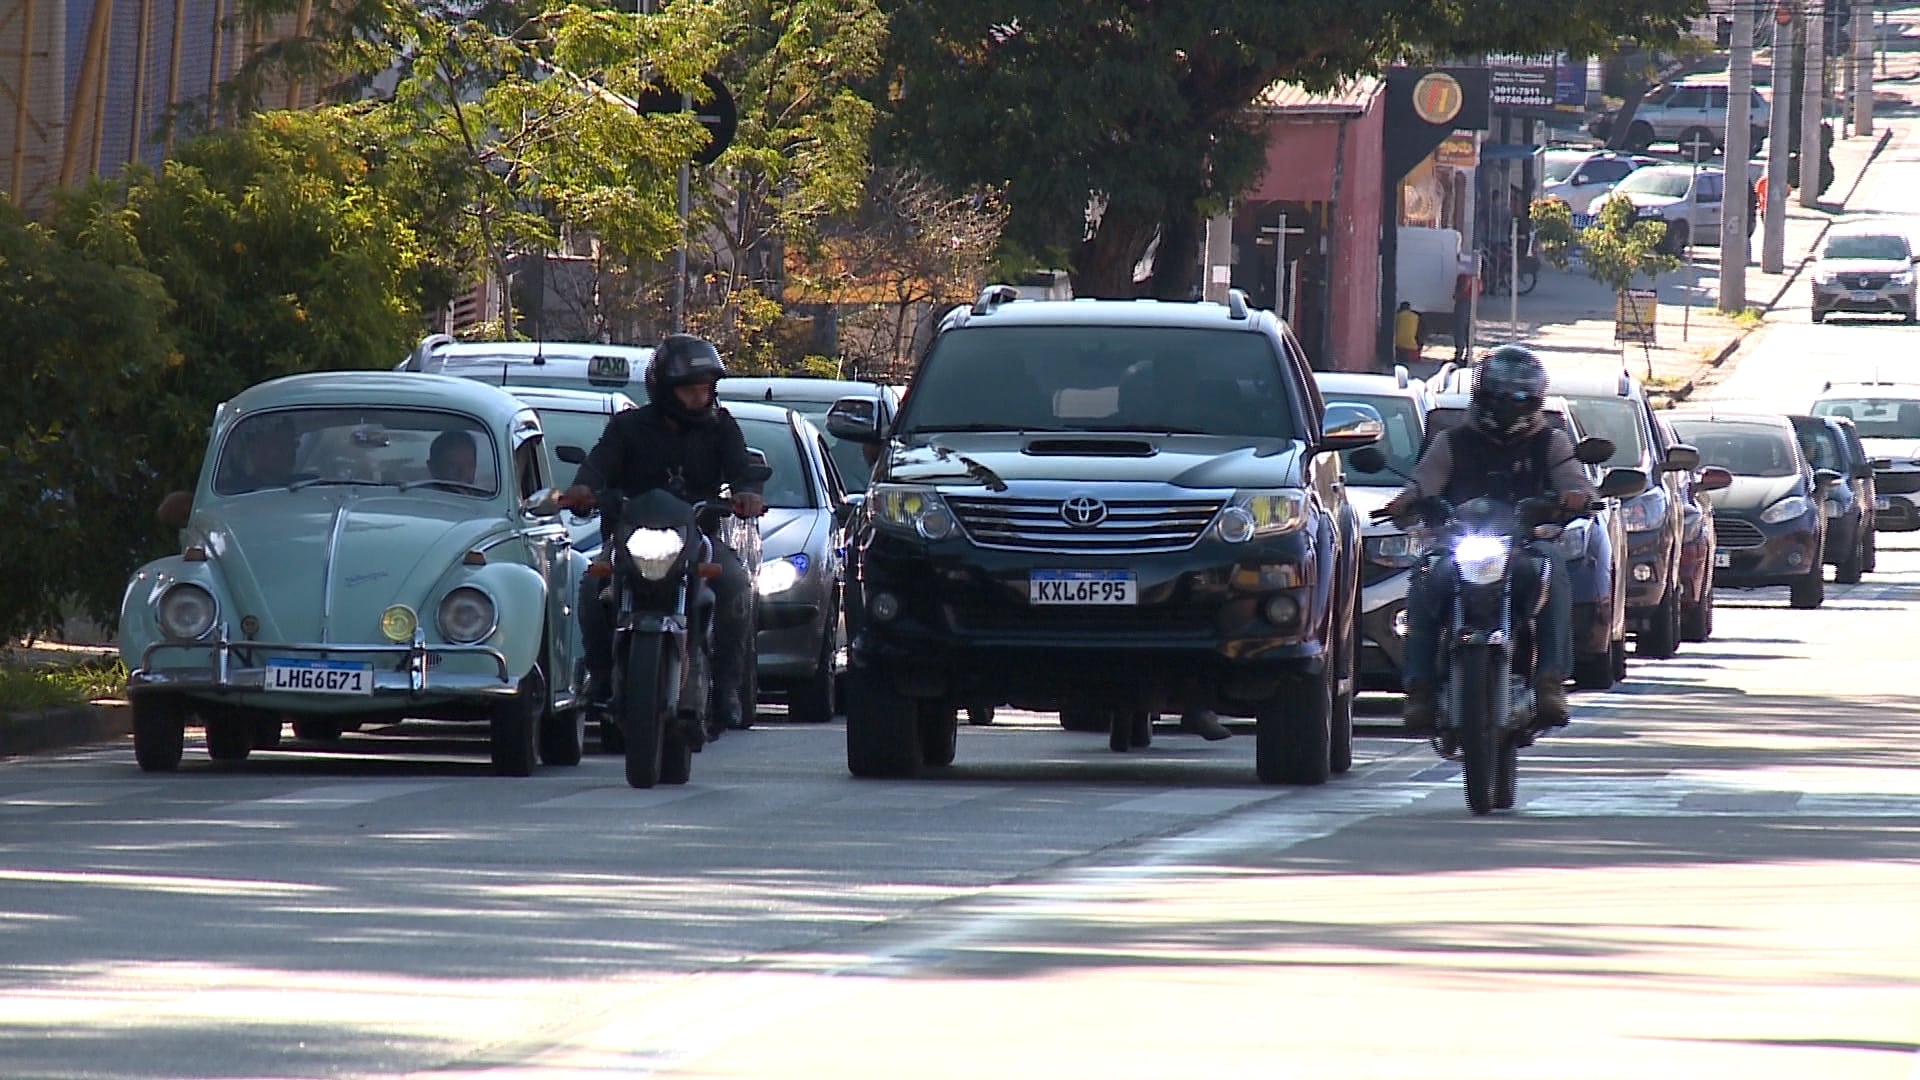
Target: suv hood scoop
point(1097, 446)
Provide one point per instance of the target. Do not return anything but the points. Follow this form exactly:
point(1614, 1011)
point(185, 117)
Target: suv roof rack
point(992, 297)
point(1236, 304)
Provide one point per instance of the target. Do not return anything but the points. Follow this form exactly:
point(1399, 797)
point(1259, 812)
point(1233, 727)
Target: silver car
point(801, 549)
point(1865, 268)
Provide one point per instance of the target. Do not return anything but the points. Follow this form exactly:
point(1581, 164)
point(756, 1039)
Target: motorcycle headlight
point(1645, 511)
point(1482, 559)
point(918, 510)
point(1254, 514)
point(655, 551)
point(467, 615)
point(187, 611)
point(1396, 550)
point(1786, 509)
point(779, 575)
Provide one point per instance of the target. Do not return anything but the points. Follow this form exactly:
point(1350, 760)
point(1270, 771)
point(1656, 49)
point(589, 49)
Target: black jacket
point(641, 450)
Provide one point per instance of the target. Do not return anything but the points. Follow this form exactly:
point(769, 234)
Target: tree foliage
point(1140, 111)
point(1616, 249)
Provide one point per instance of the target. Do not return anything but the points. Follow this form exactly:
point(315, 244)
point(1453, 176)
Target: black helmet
point(683, 360)
point(1508, 387)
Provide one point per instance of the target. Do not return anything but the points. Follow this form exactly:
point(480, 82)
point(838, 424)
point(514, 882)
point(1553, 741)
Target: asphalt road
point(1715, 872)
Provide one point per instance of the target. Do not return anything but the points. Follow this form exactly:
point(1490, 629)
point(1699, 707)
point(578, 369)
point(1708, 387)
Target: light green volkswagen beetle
point(362, 547)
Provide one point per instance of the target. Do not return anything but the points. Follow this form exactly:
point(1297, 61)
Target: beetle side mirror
point(1623, 483)
point(1713, 478)
point(1593, 450)
point(856, 419)
point(1681, 458)
point(175, 509)
point(543, 503)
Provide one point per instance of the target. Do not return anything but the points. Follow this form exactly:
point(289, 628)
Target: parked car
point(798, 617)
point(1388, 552)
point(1686, 112)
point(812, 398)
point(1865, 268)
point(573, 418)
point(1828, 442)
point(1108, 506)
point(1596, 552)
point(1886, 416)
point(1770, 518)
point(1579, 176)
point(361, 547)
point(1687, 199)
point(1699, 542)
point(565, 365)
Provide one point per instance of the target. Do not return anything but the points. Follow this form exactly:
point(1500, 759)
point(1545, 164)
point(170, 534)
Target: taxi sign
point(609, 370)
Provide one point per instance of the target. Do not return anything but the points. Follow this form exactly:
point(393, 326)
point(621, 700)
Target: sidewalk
point(1568, 318)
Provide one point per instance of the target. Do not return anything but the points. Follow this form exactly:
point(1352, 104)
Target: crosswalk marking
point(332, 796)
point(28, 802)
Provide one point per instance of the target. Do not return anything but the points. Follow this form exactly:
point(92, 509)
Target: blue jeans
point(1430, 591)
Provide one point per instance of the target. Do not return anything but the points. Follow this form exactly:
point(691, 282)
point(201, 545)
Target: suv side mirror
point(1862, 470)
point(1825, 478)
point(856, 419)
point(1681, 458)
point(1713, 478)
point(1593, 450)
point(849, 507)
point(1622, 483)
point(1581, 180)
point(758, 471)
point(175, 509)
point(1348, 426)
point(1368, 459)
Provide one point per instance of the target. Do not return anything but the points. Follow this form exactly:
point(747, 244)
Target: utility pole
point(1863, 34)
point(1773, 222)
point(1813, 103)
point(1734, 249)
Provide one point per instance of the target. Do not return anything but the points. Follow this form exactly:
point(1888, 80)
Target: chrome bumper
point(408, 676)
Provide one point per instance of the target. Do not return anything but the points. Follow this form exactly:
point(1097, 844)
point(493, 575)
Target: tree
point(1616, 249)
point(1119, 127)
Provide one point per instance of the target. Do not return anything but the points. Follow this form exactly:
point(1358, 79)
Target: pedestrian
point(1406, 333)
point(1466, 286)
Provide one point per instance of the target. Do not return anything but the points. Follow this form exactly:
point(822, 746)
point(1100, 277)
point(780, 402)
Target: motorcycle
point(1498, 581)
point(660, 562)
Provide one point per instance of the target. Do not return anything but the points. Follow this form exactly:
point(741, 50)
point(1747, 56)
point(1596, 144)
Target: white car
point(1886, 416)
point(1660, 192)
point(1868, 268)
point(1578, 177)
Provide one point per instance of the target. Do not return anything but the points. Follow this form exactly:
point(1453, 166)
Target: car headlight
point(1786, 509)
point(467, 615)
point(1395, 550)
point(1823, 277)
point(655, 551)
point(1254, 514)
point(1646, 511)
point(916, 509)
point(1902, 277)
point(779, 575)
point(1482, 559)
point(187, 611)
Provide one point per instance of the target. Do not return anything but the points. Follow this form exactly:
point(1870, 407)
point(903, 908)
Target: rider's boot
point(1417, 711)
point(1549, 700)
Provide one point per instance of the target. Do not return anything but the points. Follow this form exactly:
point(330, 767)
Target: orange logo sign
point(1437, 98)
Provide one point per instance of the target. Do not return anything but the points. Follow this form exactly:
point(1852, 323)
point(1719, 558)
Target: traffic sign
point(713, 106)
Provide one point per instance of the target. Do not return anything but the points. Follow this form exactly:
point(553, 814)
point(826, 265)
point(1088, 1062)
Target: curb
point(1685, 390)
point(62, 729)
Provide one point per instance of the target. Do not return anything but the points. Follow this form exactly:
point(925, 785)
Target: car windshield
point(1741, 449)
point(1142, 379)
point(1822, 448)
point(565, 427)
point(849, 458)
point(1617, 420)
point(291, 448)
point(1401, 444)
point(1667, 183)
point(1875, 418)
point(787, 488)
point(1877, 248)
point(1561, 166)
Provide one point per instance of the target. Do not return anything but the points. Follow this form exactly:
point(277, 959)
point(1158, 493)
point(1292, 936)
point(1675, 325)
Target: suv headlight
point(1482, 559)
point(1902, 277)
point(1823, 277)
point(1786, 509)
point(1646, 511)
point(1396, 550)
point(919, 510)
point(655, 551)
point(467, 615)
point(187, 611)
point(1254, 514)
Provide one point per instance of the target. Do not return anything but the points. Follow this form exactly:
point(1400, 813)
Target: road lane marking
point(330, 796)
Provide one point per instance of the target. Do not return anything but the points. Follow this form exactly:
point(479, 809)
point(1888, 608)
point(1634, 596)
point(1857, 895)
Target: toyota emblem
point(1083, 511)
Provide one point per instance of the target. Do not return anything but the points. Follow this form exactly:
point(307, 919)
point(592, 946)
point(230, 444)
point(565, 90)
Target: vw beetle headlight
point(467, 615)
point(187, 611)
point(916, 509)
point(655, 551)
point(1786, 509)
point(1482, 559)
point(1254, 514)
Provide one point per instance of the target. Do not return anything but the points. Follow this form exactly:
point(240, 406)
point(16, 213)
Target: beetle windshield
point(332, 445)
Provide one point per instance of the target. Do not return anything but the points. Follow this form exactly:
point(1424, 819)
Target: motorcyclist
point(1506, 450)
point(682, 442)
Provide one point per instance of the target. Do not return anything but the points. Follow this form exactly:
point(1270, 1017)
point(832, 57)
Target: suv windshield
point(1616, 420)
point(1875, 418)
point(1741, 449)
point(1667, 183)
point(1401, 444)
point(1144, 379)
point(296, 447)
point(1877, 248)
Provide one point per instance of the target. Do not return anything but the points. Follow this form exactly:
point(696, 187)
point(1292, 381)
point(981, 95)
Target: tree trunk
point(1176, 262)
point(1103, 266)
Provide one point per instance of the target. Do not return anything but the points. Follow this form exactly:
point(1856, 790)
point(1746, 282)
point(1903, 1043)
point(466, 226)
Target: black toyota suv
point(1114, 508)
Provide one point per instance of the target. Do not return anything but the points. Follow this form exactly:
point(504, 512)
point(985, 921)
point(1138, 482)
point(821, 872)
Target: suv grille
point(1130, 525)
point(1861, 281)
point(1905, 482)
point(1733, 532)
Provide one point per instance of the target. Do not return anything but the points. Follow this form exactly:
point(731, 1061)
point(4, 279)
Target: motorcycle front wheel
point(1479, 693)
point(644, 708)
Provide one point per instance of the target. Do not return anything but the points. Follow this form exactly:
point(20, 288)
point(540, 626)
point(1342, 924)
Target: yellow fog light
point(398, 623)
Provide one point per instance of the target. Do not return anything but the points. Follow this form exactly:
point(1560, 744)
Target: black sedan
point(1771, 520)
